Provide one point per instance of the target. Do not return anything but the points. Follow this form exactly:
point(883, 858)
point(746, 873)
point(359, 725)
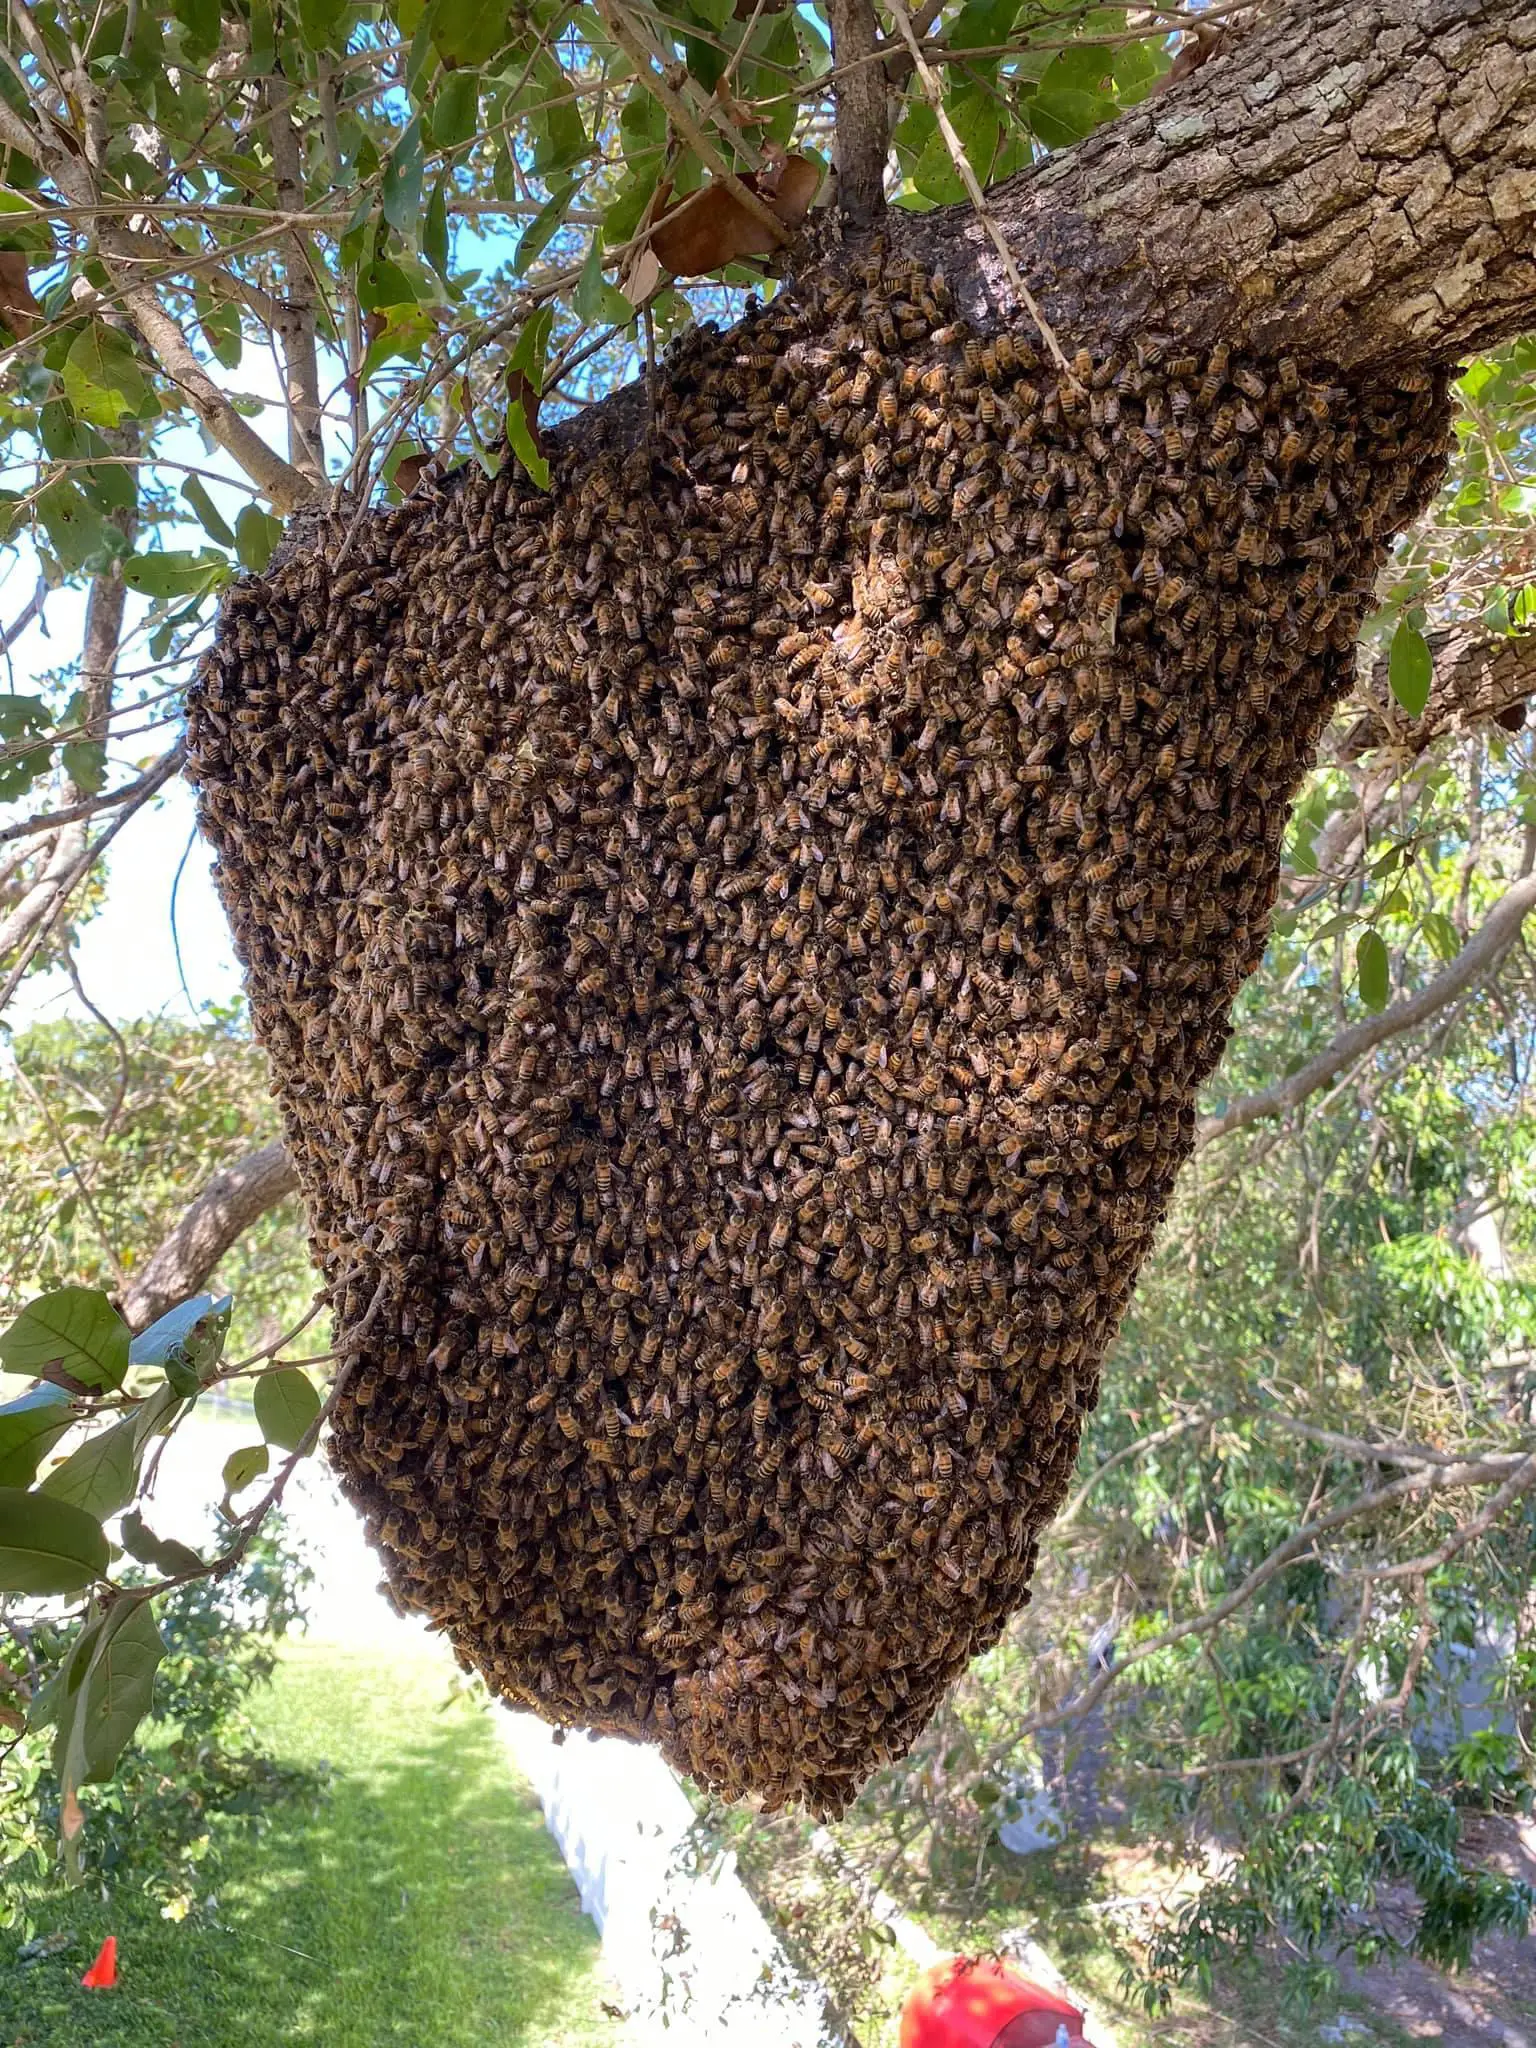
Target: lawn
point(421, 1905)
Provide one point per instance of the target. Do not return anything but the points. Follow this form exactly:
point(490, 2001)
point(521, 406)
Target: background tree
point(251, 257)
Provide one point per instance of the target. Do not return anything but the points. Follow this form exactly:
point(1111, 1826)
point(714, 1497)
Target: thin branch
point(1423, 1481)
point(644, 53)
point(1477, 957)
point(1167, 1435)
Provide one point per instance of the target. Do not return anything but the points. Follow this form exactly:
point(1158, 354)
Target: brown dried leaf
point(1196, 50)
point(408, 471)
point(18, 309)
point(717, 229)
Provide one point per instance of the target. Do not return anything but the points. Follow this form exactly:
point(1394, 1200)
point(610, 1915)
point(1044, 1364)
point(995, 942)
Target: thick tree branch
point(1355, 180)
point(1497, 931)
point(233, 1200)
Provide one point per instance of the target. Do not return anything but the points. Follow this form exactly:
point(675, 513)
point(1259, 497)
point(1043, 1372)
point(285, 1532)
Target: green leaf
point(257, 533)
point(286, 1405)
point(521, 442)
point(407, 330)
point(58, 1694)
point(468, 32)
point(220, 324)
point(598, 303)
point(75, 1329)
point(29, 1428)
point(544, 226)
point(1137, 68)
point(112, 1696)
point(381, 283)
point(85, 763)
point(455, 109)
point(554, 121)
point(213, 522)
point(401, 195)
point(171, 572)
point(263, 52)
point(1410, 668)
point(981, 23)
point(1064, 114)
point(192, 1334)
point(1373, 971)
point(164, 1553)
point(1444, 939)
point(102, 1474)
point(21, 715)
point(244, 1465)
point(76, 531)
point(102, 376)
point(323, 23)
point(47, 1546)
point(434, 228)
point(532, 350)
point(974, 116)
point(200, 26)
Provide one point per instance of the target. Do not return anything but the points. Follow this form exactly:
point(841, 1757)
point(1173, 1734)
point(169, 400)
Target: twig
point(962, 163)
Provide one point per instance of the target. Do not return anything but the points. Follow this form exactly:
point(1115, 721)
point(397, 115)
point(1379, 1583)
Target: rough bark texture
point(233, 1200)
point(863, 132)
point(1481, 678)
point(1356, 181)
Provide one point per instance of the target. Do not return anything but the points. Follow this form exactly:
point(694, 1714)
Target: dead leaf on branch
point(707, 232)
point(18, 309)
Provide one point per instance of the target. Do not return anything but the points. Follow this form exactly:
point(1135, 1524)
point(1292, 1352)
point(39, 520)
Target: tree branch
point(1479, 677)
point(294, 321)
point(1497, 931)
point(1475, 1471)
point(1350, 181)
point(237, 1197)
point(863, 130)
point(89, 807)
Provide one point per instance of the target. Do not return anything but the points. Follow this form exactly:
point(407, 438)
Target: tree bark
point(863, 131)
point(1354, 182)
point(294, 316)
point(232, 1202)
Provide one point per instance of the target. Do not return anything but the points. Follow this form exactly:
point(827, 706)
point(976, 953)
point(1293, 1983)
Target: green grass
point(421, 1905)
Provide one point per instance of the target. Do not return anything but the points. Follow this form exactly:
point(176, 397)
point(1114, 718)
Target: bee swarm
point(738, 939)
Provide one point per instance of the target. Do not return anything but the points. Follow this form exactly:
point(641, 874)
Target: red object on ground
point(102, 1974)
point(961, 2003)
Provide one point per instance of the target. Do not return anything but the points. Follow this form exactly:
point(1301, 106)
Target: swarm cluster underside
point(738, 938)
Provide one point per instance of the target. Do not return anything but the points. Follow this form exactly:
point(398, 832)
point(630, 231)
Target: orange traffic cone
point(102, 1974)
